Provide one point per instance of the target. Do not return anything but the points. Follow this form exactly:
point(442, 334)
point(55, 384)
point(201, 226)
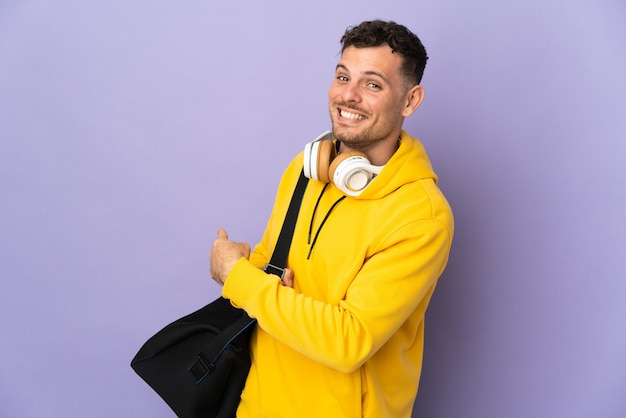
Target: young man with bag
point(342, 334)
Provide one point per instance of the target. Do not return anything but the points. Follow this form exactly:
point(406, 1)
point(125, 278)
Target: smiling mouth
point(350, 115)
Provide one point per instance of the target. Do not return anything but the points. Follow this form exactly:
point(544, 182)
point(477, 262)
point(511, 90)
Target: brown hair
point(400, 40)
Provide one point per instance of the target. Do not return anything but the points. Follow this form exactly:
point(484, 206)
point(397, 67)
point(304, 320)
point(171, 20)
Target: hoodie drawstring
point(323, 220)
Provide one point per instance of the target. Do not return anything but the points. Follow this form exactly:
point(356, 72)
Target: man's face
point(368, 97)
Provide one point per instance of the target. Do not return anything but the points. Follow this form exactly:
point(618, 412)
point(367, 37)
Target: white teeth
point(349, 115)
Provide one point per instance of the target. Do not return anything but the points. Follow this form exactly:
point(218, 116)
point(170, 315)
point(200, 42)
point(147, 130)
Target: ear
point(414, 98)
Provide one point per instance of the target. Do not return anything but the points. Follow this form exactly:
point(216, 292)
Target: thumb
point(221, 233)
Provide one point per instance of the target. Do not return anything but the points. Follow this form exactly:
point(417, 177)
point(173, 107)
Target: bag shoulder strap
point(278, 261)
point(206, 360)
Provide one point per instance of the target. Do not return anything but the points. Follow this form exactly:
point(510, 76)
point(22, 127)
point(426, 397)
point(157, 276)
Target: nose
point(350, 92)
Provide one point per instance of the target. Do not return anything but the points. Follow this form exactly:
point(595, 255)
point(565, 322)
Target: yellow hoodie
point(347, 340)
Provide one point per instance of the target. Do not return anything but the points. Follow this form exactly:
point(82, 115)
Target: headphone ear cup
point(326, 153)
point(341, 158)
point(341, 172)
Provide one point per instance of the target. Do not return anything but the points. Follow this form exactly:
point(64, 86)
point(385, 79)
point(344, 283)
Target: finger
point(246, 249)
point(288, 278)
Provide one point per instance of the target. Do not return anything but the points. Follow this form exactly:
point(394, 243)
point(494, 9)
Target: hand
point(224, 254)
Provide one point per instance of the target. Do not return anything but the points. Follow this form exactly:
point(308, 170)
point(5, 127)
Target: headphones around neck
point(350, 171)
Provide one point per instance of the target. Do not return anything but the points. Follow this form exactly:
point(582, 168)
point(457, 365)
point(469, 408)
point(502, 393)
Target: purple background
point(131, 130)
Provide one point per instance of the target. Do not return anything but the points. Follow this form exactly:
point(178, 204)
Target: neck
point(378, 153)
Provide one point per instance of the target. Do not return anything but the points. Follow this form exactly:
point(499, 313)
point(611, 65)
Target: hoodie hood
point(407, 165)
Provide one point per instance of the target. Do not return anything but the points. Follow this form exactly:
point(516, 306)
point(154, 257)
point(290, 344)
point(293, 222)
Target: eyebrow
point(374, 73)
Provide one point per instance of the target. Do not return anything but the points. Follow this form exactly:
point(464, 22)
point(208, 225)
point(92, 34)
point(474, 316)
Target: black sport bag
point(199, 363)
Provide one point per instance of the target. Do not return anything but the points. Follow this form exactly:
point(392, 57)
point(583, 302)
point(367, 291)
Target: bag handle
point(205, 362)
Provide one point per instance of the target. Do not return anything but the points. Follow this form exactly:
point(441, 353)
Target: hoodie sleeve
point(390, 286)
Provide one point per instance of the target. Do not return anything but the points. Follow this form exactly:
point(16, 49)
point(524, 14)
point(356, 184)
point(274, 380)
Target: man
point(342, 334)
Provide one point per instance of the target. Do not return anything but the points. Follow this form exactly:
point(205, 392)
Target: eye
point(373, 85)
point(342, 78)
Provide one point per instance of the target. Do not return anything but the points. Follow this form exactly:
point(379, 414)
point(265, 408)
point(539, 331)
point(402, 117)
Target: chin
point(346, 134)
